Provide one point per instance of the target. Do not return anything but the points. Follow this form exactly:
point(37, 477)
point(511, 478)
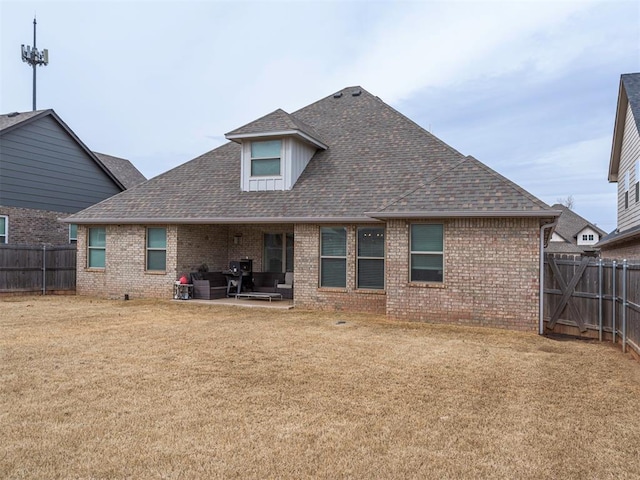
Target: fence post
point(613, 303)
point(624, 306)
point(44, 270)
point(600, 299)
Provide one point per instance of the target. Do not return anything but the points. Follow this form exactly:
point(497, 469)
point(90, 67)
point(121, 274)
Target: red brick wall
point(36, 227)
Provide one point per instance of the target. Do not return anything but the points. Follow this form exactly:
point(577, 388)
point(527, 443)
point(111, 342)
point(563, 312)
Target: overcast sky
point(528, 88)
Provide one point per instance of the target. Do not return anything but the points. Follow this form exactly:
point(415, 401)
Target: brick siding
point(35, 227)
point(490, 269)
point(125, 265)
point(308, 294)
point(491, 275)
point(628, 250)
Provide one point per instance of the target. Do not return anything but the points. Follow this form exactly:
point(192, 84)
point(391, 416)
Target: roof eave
point(618, 130)
point(214, 220)
point(621, 238)
point(238, 137)
point(467, 214)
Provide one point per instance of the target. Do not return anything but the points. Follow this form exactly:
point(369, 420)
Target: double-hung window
point(73, 233)
point(156, 249)
point(4, 228)
point(333, 257)
point(96, 247)
point(626, 189)
point(427, 253)
point(637, 180)
point(371, 257)
point(265, 158)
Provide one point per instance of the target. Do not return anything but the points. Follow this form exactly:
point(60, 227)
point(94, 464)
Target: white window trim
point(5, 219)
point(252, 158)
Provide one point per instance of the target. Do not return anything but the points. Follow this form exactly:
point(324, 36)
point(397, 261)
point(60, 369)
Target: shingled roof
point(278, 122)
point(123, 169)
point(9, 120)
point(570, 224)
point(378, 163)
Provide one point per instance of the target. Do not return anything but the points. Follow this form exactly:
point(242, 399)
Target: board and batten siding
point(43, 168)
point(629, 155)
point(295, 157)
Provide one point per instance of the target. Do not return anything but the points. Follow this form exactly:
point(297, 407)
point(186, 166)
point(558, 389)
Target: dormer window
point(275, 151)
point(265, 158)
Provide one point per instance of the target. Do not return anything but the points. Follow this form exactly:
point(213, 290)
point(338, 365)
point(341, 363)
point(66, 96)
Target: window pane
point(371, 242)
point(156, 237)
point(426, 268)
point(96, 258)
point(334, 272)
point(265, 167)
point(73, 231)
point(97, 237)
point(289, 264)
point(426, 238)
point(3, 228)
point(272, 252)
point(371, 273)
point(156, 260)
point(334, 242)
point(269, 149)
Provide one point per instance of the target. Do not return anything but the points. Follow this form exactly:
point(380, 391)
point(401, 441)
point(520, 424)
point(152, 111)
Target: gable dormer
point(587, 236)
point(275, 151)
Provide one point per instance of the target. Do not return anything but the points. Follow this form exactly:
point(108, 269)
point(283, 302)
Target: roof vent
point(337, 95)
point(356, 93)
point(13, 114)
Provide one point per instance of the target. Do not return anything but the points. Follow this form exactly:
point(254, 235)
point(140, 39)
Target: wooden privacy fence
point(593, 298)
point(28, 269)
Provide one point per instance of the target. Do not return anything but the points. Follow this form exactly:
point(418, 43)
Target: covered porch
point(224, 260)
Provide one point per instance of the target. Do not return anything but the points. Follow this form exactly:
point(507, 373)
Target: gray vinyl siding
point(629, 154)
point(42, 167)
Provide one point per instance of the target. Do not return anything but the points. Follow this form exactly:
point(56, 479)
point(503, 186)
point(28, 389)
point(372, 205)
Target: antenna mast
point(34, 58)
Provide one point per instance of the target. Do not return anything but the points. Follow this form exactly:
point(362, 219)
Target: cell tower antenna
point(34, 58)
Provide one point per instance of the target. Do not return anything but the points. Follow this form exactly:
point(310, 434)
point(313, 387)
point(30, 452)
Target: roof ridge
point(511, 184)
point(408, 120)
point(424, 183)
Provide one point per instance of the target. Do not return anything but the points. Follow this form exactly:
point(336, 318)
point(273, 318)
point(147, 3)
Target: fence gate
point(593, 298)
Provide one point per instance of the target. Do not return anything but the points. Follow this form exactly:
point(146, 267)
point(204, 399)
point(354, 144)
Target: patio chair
point(286, 288)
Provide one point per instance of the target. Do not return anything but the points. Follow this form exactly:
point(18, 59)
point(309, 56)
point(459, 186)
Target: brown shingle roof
point(9, 120)
point(375, 156)
point(123, 170)
point(570, 224)
point(276, 121)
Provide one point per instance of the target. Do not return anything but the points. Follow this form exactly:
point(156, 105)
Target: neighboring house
point(370, 212)
point(624, 168)
point(46, 173)
point(573, 234)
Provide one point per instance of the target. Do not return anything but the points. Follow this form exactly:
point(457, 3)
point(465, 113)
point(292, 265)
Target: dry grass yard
point(97, 389)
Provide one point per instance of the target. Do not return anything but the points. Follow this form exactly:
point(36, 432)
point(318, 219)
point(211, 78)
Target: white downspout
point(542, 229)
